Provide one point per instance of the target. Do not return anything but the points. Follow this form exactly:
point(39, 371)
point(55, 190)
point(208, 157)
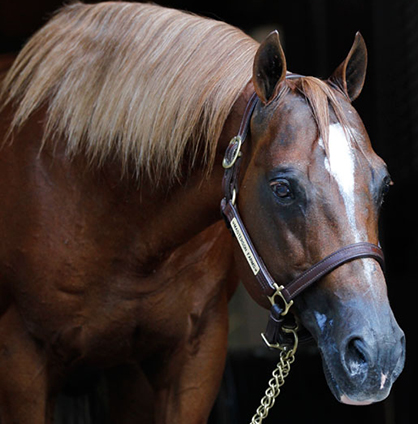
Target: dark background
point(317, 35)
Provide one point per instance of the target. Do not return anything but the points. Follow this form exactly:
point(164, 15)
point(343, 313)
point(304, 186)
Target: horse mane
point(139, 82)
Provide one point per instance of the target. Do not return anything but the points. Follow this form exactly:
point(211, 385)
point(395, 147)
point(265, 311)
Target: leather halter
point(274, 336)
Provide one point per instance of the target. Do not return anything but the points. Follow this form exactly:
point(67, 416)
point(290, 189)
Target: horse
point(114, 255)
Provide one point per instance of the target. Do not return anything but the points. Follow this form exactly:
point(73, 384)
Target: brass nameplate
point(244, 246)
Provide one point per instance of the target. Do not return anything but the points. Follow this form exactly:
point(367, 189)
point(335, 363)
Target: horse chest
point(105, 317)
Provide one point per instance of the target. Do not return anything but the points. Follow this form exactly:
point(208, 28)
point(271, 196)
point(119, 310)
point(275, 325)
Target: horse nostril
point(355, 360)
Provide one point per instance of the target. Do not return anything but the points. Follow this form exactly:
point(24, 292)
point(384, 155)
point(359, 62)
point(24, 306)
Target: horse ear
point(350, 75)
point(269, 68)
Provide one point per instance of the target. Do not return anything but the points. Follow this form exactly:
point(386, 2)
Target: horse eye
point(281, 189)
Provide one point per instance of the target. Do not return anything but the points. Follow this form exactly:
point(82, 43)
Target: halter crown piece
point(278, 334)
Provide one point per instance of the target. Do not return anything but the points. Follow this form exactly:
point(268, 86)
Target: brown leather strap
point(308, 277)
point(232, 157)
point(331, 262)
point(260, 271)
point(245, 121)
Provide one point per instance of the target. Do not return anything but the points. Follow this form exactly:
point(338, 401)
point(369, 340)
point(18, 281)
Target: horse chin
point(357, 396)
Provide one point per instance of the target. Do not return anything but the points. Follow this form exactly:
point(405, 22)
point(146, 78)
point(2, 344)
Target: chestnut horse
point(115, 118)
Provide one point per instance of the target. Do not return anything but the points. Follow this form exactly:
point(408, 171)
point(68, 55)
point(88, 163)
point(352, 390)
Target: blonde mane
point(144, 84)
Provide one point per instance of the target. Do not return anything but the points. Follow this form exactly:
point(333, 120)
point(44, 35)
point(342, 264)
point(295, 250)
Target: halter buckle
point(233, 149)
point(286, 305)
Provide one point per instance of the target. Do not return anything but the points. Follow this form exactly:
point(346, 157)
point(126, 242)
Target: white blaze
point(340, 163)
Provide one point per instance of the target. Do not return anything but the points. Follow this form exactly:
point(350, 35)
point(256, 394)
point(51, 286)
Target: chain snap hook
point(281, 347)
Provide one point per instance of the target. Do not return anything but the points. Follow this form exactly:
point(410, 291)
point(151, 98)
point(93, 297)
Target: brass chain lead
point(287, 357)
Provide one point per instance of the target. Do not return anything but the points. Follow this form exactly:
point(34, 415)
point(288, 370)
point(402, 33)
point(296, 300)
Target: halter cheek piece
point(281, 297)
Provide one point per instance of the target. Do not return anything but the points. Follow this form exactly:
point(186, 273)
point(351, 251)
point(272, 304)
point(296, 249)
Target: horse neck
point(170, 216)
point(149, 222)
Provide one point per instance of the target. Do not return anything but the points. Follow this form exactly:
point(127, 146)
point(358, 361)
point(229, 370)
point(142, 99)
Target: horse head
point(311, 184)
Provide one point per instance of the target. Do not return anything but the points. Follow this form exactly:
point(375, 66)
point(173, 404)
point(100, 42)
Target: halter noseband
point(277, 334)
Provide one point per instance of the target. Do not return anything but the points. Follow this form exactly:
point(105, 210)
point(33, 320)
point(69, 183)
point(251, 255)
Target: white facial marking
point(322, 319)
point(340, 163)
point(383, 381)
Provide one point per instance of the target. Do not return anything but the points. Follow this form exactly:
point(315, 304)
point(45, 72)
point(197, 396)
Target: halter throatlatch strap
point(278, 332)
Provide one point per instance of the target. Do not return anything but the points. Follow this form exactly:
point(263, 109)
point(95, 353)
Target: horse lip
point(347, 401)
point(344, 398)
point(331, 380)
point(338, 393)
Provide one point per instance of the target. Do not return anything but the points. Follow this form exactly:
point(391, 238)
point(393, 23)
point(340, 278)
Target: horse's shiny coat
point(100, 269)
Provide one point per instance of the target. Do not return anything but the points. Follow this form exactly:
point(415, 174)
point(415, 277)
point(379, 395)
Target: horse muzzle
point(361, 360)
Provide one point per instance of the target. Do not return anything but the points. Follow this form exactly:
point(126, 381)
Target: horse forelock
point(321, 99)
point(138, 82)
